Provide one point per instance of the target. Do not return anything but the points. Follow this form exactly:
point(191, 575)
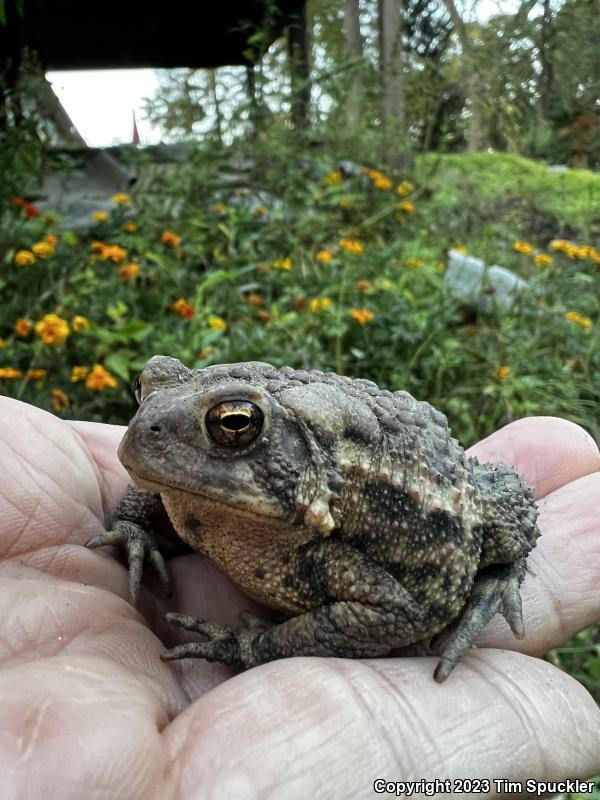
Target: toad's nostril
point(156, 428)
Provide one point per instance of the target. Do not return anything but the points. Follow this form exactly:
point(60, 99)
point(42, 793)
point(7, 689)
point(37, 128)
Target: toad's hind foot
point(496, 590)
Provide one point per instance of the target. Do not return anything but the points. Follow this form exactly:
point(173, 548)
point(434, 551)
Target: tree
point(354, 51)
point(391, 62)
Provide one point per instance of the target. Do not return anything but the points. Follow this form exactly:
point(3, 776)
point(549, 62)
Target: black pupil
point(235, 422)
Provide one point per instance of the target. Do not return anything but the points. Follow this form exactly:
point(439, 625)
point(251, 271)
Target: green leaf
point(119, 363)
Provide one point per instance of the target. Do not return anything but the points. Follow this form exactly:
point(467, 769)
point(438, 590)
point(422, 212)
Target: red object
point(136, 136)
point(30, 210)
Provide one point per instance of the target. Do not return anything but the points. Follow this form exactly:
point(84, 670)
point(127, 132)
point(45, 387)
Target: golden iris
point(234, 423)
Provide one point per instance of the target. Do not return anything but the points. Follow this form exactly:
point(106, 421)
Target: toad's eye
point(234, 423)
point(137, 390)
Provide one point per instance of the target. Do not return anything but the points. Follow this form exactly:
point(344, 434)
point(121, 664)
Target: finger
point(561, 591)
point(289, 724)
point(548, 451)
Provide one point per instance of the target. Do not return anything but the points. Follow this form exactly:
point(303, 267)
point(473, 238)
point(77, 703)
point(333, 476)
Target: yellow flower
point(260, 211)
point(217, 323)
point(574, 316)
point(324, 256)
point(23, 327)
point(461, 249)
point(362, 286)
point(414, 263)
point(352, 246)
point(170, 238)
point(404, 188)
point(361, 315)
point(10, 373)
point(59, 400)
point(24, 257)
point(183, 308)
point(120, 199)
point(99, 379)
point(283, 263)
point(219, 208)
point(407, 207)
point(542, 260)
point(130, 227)
point(2, 343)
point(51, 239)
point(36, 374)
point(43, 250)
point(98, 247)
point(129, 271)
point(79, 373)
point(501, 373)
point(52, 329)
point(100, 216)
point(560, 244)
point(320, 304)
point(523, 247)
point(334, 178)
point(383, 183)
point(80, 324)
point(108, 251)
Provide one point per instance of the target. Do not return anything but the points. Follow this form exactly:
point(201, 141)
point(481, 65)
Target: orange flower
point(407, 207)
point(560, 244)
point(170, 238)
point(120, 199)
point(100, 216)
point(99, 379)
point(51, 239)
point(130, 227)
point(352, 246)
point(501, 374)
point(10, 373)
point(383, 183)
point(24, 257)
point(183, 308)
point(128, 272)
point(36, 374)
point(216, 323)
point(30, 210)
point(23, 327)
point(52, 329)
point(523, 247)
point(43, 250)
point(361, 315)
point(542, 260)
point(59, 400)
point(404, 188)
point(254, 299)
point(362, 286)
point(80, 324)
point(324, 256)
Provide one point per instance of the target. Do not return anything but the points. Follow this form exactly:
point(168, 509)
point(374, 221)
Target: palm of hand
point(89, 709)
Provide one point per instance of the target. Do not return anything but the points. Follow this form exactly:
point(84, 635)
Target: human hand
point(89, 710)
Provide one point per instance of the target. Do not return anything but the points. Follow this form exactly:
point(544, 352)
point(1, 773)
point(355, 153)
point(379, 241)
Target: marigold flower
point(523, 247)
point(130, 227)
point(542, 260)
point(560, 244)
point(501, 373)
point(43, 250)
point(261, 211)
point(36, 374)
point(30, 210)
point(100, 216)
point(80, 324)
point(407, 207)
point(216, 323)
point(128, 272)
point(2, 343)
point(23, 327)
point(98, 247)
point(283, 263)
point(24, 257)
point(99, 379)
point(10, 373)
point(52, 329)
point(59, 400)
point(52, 239)
point(334, 178)
point(114, 253)
point(79, 374)
point(324, 256)
point(219, 208)
point(352, 246)
point(254, 299)
point(183, 308)
point(361, 315)
point(414, 263)
point(404, 188)
point(170, 238)
point(382, 183)
point(460, 249)
point(320, 304)
point(264, 316)
point(362, 286)
point(120, 198)
point(574, 316)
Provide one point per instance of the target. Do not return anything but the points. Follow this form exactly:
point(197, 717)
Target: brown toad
point(346, 506)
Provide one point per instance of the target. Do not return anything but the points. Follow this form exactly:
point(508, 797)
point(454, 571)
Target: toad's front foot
point(228, 645)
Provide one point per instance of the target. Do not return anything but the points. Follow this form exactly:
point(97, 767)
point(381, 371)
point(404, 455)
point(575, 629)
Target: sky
point(101, 102)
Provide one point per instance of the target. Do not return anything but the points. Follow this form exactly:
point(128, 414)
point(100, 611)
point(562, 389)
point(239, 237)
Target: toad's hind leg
point(496, 590)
